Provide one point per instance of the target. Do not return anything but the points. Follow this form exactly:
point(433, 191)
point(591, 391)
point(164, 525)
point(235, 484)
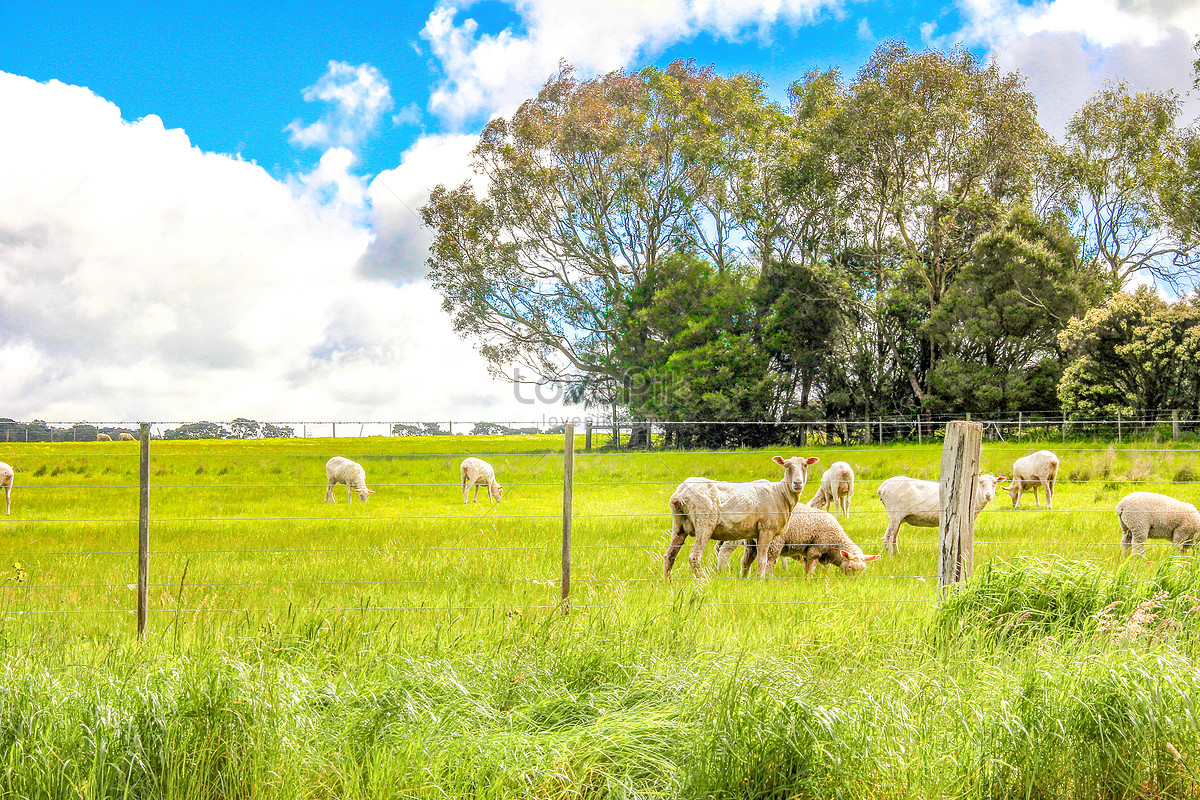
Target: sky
point(208, 211)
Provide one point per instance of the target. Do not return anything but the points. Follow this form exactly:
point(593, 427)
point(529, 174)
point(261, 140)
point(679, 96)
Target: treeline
point(671, 245)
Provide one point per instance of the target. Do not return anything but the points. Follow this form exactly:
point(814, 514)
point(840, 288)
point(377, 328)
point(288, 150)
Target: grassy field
point(410, 646)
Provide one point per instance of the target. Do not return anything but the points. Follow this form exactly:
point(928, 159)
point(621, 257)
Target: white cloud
point(357, 98)
point(492, 73)
point(1069, 48)
point(142, 278)
point(864, 30)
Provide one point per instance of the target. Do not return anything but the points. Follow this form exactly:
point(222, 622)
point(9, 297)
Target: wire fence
point(243, 527)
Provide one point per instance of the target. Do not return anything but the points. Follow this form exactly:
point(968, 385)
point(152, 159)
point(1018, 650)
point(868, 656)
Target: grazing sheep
point(1032, 471)
point(103, 437)
point(729, 512)
point(815, 537)
point(127, 437)
point(917, 503)
point(7, 474)
point(477, 472)
point(1149, 515)
point(351, 473)
point(837, 487)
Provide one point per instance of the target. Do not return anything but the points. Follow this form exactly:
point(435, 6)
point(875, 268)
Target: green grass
point(411, 646)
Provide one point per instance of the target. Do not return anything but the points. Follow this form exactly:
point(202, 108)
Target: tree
point(1134, 182)
point(244, 428)
point(585, 190)
point(1134, 352)
point(270, 431)
point(197, 430)
point(1000, 320)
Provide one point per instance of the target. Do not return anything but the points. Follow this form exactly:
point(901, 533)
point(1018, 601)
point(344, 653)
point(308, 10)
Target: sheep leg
point(724, 553)
point(475, 497)
point(349, 493)
point(1049, 493)
point(466, 487)
point(1019, 487)
point(677, 541)
point(1126, 537)
point(810, 566)
point(703, 532)
point(749, 556)
point(890, 544)
point(329, 498)
point(1034, 488)
point(763, 545)
point(8, 500)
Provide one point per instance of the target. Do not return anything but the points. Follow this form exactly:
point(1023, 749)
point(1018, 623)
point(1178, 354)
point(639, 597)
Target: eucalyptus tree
point(581, 194)
point(1134, 181)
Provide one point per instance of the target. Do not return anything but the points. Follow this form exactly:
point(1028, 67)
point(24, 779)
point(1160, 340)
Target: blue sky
point(206, 211)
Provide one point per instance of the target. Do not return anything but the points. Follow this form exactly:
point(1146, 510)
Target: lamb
point(1149, 515)
point(1032, 471)
point(837, 487)
point(815, 537)
point(917, 503)
point(127, 437)
point(103, 437)
point(729, 512)
point(351, 473)
point(7, 474)
point(477, 472)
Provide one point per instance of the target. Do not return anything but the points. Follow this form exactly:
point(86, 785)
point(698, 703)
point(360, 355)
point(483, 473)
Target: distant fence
point(540, 565)
point(649, 434)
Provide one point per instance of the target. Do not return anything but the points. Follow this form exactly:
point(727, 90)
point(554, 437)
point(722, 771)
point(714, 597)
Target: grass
point(411, 646)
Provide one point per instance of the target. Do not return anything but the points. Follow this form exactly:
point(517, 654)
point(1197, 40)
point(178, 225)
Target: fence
point(218, 533)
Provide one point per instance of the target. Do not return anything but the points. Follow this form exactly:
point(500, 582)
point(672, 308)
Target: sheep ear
point(370, 491)
point(813, 460)
point(871, 558)
point(778, 460)
point(1001, 479)
point(846, 554)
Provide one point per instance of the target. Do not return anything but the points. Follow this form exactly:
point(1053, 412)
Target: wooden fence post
point(1175, 424)
point(568, 484)
point(1118, 427)
point(587, 435)
point(956, 524)
point(143, 573)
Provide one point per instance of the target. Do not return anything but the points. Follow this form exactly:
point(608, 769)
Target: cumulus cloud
point(143, 278)
point(356, 98)
point(491, 73)
point(1068, 49)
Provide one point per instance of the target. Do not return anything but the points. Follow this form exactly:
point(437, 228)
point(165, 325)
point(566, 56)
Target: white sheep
point(7, 474)
point(917, 503)
point(1149, 515)
point(1030, 472)
point(127, 437)
point(477, 472)
point(814, 536)
point(729, 512)
point(342, 470)
point(103, 437)
point(837, 487)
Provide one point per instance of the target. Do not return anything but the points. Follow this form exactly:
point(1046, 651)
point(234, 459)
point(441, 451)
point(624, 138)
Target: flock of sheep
point(767, 520)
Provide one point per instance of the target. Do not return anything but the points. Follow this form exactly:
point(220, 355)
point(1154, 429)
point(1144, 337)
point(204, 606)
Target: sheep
point(814, 536)
point(477, 472)
point(127, 437)
point(837, 487)
point(351, 473)
point(917, 503)
point(729, 512)
point(103, 437)
point(1149, 515)
point(7, 474)
point(1032, 471)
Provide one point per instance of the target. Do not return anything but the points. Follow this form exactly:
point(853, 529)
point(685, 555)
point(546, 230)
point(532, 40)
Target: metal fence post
point(568, 484)
point(956, 523)
point(143, 575)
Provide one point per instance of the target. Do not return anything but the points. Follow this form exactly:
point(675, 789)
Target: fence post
point(1020, 422)
point(568, 484)
point(956, 523)
point(334, 424)
point(867, 428)
point(1175, 424)
point(1118, 427)
point(587, 435)
point(881, 428)
point(143, 574)
point(1064, 430)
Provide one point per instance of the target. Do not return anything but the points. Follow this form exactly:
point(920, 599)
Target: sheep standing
point(7, 474)
point(917, 502)
point(1149, 515)
point(815, 537)
point(477, 472)
point(729, 512)
point(342, 470)
point(1035, 470)
point(837, 487)
point(103, 437)
point(127, 437)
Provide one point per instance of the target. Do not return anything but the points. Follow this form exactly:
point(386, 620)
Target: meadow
point(414, 646)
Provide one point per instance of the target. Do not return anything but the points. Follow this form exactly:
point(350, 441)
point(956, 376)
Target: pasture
point(412, 646)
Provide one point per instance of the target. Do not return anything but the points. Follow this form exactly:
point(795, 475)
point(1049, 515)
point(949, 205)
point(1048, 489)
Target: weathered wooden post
point(881, 428)
point(143, 573)
point(587, 435)
point(1064, 430)
point(867, 429)
point(568, 481)
point(1020, 422)
point(1175, 424)
point(956, 524)
point(334, 429)
point(1118, 427)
